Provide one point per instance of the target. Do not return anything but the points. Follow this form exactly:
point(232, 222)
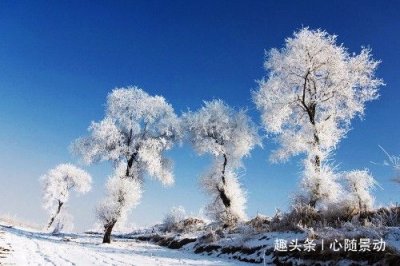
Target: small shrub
point(191, 224)
point(171, 220)
point(177, 221)
point(210, 237)
point(260, 223)
point(386, 216)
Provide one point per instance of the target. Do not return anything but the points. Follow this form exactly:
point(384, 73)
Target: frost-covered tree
point(228, 135)
point(360, 183)
point(135, 132)
point(57, 184)
point(314, 88)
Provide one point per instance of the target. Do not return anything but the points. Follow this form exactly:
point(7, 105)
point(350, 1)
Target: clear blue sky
point(58, 61)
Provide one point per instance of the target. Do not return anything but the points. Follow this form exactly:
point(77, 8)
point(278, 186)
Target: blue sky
point(59, 60)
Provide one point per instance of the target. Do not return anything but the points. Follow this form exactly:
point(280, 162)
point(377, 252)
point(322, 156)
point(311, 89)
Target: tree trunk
point(222, 194)
point(223, 168)
point(107, 232)
point(60, 204)
point(225, 200)
point(316, 193)
point(311, 109)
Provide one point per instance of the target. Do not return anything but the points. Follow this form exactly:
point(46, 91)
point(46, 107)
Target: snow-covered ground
point(28, 247)
point(21, 246)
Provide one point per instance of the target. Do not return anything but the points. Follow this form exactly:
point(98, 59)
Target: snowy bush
point(359, 186)
point(321, 186)
point(174, 217)
point(211, 236)
point(228, 135)
point(191, 224)
point(136, 131)
point(178, 221)
point(386, 216)
point(313, 89)
point(299, 217)
point(57, 184)
point(260, 223)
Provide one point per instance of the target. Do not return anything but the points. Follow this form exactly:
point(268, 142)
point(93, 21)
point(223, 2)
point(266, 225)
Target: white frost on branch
point(122, 194)
point(228, 135)
point(218, 129)
point(57, 185)
point(313, 89)
point(137, 127)
point(212, 183)
point(323, 183)
point(136, 131)
point(312, 73)
point(359, 184)
point(175, 215)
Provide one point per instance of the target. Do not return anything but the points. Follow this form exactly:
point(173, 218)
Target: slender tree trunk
point(224, 197)
point(107, 232)
point(60, 204)
point(317, 166)
point(225, 200)
point(223, 168)
point(316, 193)
point(311, 108)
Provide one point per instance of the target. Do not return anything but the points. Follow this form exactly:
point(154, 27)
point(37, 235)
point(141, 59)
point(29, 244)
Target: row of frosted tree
point(313, 89)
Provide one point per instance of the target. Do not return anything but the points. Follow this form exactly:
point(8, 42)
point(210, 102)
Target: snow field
point(35, 248)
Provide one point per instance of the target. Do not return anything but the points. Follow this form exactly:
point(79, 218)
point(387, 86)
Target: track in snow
point(5, 248)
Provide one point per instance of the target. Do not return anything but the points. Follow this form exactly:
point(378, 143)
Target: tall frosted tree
point(313, 89)
point(135, 132)
point(227, 135)
point(57, 185)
